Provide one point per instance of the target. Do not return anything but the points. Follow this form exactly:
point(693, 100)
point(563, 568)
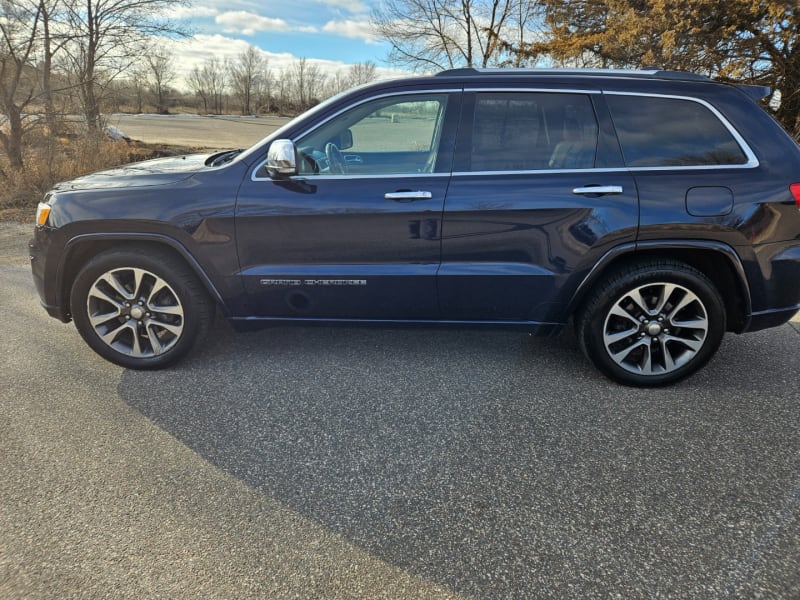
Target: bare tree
point(138, 84)
point(361, 73)
point(264, 85)
point(282, 91)
point(245, 73)
point(198, 86)
point(443, 34)
point(344, 79)
point(53, 40)
point(160, 74)
point(208, 82)
point(525, 13)
point(337, 83)
point(19, 21)
point(109, 36)
point(307, 81)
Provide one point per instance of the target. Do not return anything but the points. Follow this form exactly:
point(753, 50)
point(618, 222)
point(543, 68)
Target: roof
point(756, 92)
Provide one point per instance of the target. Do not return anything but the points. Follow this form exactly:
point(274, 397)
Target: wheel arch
point(80, 249)
point(716, 260)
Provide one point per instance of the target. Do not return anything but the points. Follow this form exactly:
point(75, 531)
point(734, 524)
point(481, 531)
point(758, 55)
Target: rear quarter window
point(667, 132)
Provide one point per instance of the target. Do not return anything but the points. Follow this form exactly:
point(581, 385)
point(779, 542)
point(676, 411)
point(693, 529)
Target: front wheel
point(652, 323)
point(140, 308)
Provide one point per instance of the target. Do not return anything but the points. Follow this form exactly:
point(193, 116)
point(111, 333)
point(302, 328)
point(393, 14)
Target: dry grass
point(49, 160)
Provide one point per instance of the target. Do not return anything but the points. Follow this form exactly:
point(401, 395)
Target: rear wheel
point(140, 308)
point(652, 323)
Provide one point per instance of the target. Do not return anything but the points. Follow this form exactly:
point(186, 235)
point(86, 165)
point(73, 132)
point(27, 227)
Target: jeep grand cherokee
point(655, 209)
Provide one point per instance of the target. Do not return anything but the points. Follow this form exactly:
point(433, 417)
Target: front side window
point(529, 131)
point(396, 135)
point(667, 132)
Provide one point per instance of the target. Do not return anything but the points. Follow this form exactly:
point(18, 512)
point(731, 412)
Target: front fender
point(80, 244)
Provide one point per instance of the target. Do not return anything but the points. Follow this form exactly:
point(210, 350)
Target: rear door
point(538, 191)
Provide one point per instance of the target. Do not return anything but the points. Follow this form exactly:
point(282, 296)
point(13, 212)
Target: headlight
point(42, 212)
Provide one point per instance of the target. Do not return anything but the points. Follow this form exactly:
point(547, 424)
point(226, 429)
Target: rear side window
point(527, 131)
point(666, 132)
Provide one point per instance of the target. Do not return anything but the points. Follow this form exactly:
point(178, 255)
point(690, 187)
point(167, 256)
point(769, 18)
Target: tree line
point(248, 84)
point(245, 83)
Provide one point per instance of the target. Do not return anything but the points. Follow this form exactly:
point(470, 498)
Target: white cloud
point(226, 5)
point(360, 29)
point(192, 52)
point(352, 6)
point(190, 12)
point(247, 23)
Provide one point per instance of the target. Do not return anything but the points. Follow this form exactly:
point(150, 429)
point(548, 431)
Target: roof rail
point(646, 73)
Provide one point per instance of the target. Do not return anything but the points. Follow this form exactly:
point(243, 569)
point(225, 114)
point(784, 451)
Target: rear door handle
point(408, 196)
point(598, 189)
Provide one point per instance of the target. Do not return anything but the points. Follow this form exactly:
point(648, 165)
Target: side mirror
point(281, 158)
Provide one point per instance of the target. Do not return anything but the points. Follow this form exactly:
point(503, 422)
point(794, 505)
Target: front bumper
point(45, 265)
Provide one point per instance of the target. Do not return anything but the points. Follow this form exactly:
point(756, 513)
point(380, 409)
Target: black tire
point(139, 307)
point(651, 323)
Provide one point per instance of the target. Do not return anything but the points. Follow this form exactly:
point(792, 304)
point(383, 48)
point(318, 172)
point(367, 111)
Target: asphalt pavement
point(197, 131)
point(302, 462)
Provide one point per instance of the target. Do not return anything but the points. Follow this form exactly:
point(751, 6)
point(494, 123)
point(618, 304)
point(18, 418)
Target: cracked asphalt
point(350, 463)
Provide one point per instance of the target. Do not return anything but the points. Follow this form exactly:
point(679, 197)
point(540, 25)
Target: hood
point(159, 171)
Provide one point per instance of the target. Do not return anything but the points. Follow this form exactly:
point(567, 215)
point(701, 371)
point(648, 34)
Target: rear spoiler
point(756, 92)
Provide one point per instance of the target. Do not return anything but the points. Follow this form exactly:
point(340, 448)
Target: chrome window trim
point(752, 161)
point(543, 171)
point(316, 126)
point(606, 170)
point(312, 178)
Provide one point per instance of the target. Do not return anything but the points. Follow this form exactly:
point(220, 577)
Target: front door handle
point(408, 196)
point(598, 189)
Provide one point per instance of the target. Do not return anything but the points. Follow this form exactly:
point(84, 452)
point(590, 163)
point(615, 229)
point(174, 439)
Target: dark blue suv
point(656, 209)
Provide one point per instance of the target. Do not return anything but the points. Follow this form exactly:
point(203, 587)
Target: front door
point(356, 233)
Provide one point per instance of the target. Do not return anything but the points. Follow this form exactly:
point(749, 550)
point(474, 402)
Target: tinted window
point(660, 132)
point(389, 135)
point(533, 131)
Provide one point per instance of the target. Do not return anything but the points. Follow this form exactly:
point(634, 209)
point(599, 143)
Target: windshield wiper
point(220, 158)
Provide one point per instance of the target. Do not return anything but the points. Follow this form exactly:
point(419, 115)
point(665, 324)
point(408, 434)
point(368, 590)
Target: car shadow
point(493, 464)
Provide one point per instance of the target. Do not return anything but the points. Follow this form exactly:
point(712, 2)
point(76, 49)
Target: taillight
point(795, 189)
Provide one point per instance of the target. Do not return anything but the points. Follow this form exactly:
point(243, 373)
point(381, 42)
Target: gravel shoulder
point(14, 242)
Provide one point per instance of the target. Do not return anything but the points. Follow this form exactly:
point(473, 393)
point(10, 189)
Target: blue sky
point(331, 33)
